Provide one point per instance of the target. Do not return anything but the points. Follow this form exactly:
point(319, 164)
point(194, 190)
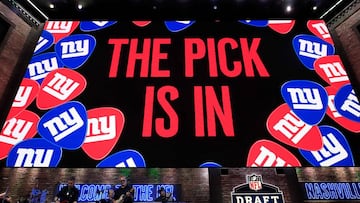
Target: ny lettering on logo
point(351, 104)
point(22, 96)
point(41, 42)
point(305, 98)
point(267, 158)
point(312, 49)
point(331, 153)
point(101, 129)
point(322, 30)
point(332, 107)
point(280, 21)
point(188, 21)
point(334, 71)
point(59, 26)
point(39, 70)
point(292, 127)
point(65, 124)
point(28, 157)
point(75, 48)
point(60, 86)
point(128, 163)
point(15, 130)
point(100, 23)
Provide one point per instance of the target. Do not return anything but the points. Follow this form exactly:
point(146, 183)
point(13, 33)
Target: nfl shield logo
point(255, 182)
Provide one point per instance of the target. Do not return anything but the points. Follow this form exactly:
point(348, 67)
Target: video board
point(246, 93)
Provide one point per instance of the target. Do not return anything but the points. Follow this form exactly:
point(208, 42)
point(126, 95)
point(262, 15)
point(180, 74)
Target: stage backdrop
point(252, 93)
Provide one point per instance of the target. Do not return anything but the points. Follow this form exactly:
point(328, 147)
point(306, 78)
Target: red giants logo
point(331, 70)
point(17, 129)
point(25, 95)
point(265, 153)
point(105, 125)
point(60, 29)
point(319, 28)
point(59, 87)
point(288, 128)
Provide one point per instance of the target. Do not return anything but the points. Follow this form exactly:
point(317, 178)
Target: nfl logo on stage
point(255, 182)
point(256, 191)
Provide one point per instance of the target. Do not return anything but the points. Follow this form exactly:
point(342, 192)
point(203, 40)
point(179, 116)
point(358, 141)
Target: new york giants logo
point(35, 152)
point(281, 26)
point(60, 86)
point(17, 129)
point(41, 65)
point(335, 152)
point(347, 103)
point(89, 26)
point(331, 70)
point(60, 29)
point(297, 128)
point(177, 26)
point(255, 23)
point(65, 126)
point(319, 28)
point(126, 158)
point(105, 125)
point(59, 26)
point(102, 128)
point(141, 23)
point(25, 95)
point(45, 41)
point(75, 50)
point(306, 99)
point(22, 96)
point(266, 153)
point(308, 48)
point(288, 128)
point(210, 164)
point(333, 113)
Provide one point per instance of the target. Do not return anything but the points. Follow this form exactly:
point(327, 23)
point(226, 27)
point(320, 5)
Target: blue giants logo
point(42, 64)
point(45, 41)
point(75, 50)
point(65, 125)
point(347, 103)
point(88, 26)
point(307, 99)
point(255, 23)
point(210, 164)
point(126, 158)
point(177, 26)
point(256, 191)
point(36, 152)
point(308, 48)
point(335, 152)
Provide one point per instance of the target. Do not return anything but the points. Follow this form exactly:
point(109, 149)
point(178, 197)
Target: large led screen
point(247, 93)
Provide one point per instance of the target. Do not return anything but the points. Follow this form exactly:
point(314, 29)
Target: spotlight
point(288, 8)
